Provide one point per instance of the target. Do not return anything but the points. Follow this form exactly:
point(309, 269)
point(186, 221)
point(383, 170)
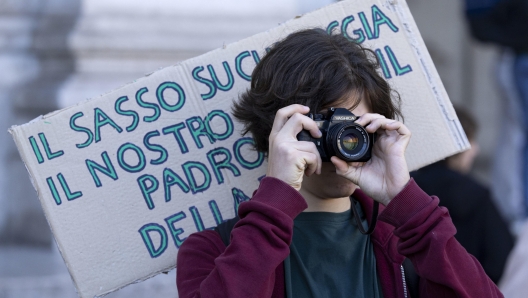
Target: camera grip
point(304, 135)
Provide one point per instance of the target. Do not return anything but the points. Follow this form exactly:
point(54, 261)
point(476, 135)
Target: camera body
point(342, 137)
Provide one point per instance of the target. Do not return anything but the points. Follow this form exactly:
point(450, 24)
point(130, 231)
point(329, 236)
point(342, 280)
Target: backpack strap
point(224, 229)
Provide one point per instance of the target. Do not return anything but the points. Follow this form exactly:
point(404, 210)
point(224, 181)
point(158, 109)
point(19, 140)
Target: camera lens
point(350, 142)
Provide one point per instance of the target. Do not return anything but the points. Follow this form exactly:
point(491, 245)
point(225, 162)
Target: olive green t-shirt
point(329, 257)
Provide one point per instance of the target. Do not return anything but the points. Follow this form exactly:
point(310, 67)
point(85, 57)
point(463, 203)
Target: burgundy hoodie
point(412, 226)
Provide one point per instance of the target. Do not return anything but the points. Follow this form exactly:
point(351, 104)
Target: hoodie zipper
point(404, 282)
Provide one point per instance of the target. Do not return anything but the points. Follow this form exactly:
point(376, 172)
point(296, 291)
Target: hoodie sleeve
point(426, 237)
point(259, 244)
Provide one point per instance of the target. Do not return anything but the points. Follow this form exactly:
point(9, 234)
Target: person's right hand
point(288, 158)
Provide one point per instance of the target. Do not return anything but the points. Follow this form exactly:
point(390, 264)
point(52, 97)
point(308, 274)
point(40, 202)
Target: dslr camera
point(342, 137)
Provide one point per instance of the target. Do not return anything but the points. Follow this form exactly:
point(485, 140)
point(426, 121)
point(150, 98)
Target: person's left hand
point(386, 173)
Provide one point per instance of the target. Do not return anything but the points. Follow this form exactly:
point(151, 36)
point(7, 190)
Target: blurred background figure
point(504, 23)
point(513, 283)
point(480, 228)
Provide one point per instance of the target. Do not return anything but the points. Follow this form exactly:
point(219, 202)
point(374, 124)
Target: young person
point(296, 237)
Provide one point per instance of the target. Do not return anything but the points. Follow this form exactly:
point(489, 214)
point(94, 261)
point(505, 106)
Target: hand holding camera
point(379, 168)
point(289, 159)
point(386, 173)
point(369, 150)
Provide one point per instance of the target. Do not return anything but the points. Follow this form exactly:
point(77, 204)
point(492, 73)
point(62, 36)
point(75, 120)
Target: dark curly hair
point(315, 69)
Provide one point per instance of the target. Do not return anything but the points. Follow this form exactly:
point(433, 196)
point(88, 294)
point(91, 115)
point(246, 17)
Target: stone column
point(34, 60)
point(118, 41)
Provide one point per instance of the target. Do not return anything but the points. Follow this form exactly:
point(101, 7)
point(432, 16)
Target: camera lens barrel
point(342, 137)
point(348, 141)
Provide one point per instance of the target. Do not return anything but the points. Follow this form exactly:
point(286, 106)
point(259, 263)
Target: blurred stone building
point(55, 53)
point(35, 61)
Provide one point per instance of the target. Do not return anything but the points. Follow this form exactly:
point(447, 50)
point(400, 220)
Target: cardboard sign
point(124, 178)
